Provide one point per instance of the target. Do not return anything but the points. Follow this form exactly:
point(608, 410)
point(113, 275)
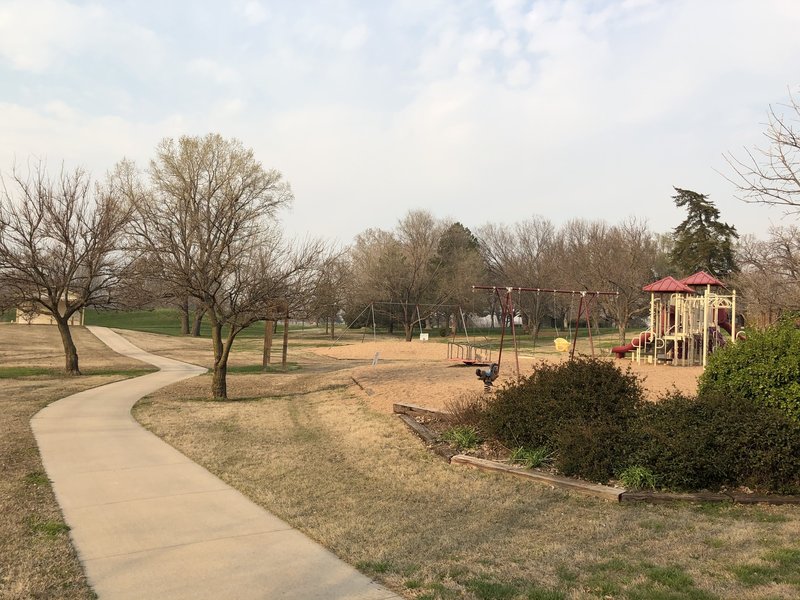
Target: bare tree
point(401, 266)
point(769, 280)
point(524, 255)
point(204, 222)
point(771, 175)
point(620, 258)
point(60, 246)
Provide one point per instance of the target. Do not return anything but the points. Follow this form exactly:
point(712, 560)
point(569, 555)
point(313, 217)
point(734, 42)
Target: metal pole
point(514, 332)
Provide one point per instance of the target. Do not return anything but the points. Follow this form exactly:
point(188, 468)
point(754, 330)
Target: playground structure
point(506, 297)
point(467, 352)
point(686, 320)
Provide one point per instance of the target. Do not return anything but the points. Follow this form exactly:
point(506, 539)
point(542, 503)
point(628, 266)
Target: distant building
point(29, 315)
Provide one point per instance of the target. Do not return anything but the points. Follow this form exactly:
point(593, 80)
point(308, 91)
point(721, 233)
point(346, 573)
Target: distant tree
point(524, 255)
point(771, 175)
point(205, 223)
point(60, 247)
point(461, 266)
point(628, 260)
point(702, 241)
point(769, 280)
point(331, 290)
point(401, 266)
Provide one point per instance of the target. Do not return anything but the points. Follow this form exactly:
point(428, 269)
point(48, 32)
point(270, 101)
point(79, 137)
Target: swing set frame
point(506, 297)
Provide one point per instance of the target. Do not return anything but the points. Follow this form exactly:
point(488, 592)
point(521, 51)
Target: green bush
point(716, 440)
point(637, 477)
point(765, 368)
point(581, 409)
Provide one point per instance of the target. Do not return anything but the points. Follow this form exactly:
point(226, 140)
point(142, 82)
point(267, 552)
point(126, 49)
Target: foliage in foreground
point(715, 440)
point(764, 368)
point(581, 409)
point(594, 419)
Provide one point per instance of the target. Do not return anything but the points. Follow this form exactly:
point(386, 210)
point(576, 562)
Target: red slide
point(642, 339)
point(724, 320)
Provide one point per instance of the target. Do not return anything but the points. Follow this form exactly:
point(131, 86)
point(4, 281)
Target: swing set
point(468, 353)
point(505, 295)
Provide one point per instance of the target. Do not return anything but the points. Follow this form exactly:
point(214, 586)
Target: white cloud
point(33, 33)
point(213, 70)
point(355, 37)
point(254, 12)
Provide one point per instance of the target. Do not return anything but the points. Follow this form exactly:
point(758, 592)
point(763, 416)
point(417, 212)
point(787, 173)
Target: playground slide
point(641, 340)
point(724, 321)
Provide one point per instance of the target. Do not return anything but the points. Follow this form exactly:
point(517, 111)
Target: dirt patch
point(419, 373)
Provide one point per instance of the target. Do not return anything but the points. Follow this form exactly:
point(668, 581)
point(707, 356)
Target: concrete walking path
point(149, 523)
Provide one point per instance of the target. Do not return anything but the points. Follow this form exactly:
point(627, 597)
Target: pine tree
point(702, 241)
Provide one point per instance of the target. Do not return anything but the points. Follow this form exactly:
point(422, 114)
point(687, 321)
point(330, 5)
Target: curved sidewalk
point(149, 523)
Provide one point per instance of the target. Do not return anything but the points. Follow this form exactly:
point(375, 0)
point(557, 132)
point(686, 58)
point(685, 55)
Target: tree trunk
point(621, 329)
point(183, 307)
point(408, 328)
point(219, 383)
point(70, 351)
point(198, 321)
point(285, 352)
point(333, 327)
point(219, 387)
point(269, 330)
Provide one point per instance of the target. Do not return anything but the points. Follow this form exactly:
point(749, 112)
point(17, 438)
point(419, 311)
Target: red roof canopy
point(668, 285)
point(702, 278)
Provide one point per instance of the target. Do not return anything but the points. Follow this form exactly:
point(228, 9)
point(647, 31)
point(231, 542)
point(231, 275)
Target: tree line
point(197, 229)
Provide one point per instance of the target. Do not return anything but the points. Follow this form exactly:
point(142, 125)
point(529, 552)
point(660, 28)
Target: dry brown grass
point(36, 557)
point(317, 450)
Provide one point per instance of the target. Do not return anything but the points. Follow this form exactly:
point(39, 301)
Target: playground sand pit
point(419, 373)
point(412, 372)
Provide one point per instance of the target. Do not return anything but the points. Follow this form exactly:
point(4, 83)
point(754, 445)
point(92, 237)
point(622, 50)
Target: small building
point(28, 315)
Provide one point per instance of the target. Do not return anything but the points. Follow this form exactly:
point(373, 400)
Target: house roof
point(702, 278)
point(667, 285)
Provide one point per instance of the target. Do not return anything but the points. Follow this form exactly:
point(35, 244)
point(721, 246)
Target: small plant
point(531, 458)
point(637, 477)
point(463, 437)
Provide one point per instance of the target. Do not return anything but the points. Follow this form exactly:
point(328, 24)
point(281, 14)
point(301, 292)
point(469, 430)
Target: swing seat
point(562, 345)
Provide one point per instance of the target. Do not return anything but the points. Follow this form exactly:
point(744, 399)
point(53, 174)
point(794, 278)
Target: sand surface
point(419, 373)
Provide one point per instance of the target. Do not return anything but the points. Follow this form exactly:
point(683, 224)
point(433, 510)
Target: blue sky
point(478, 111)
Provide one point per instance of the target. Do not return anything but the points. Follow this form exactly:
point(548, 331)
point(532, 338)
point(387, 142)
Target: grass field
point(308, 446)
point(36, 557)
point(166, 321)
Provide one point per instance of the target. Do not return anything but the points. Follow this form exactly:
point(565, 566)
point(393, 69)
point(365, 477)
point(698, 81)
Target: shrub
point(765, 368)
point(531, 458)
point(467, 409)
point(637, 477)
point(716, 440)
point(462, 437)
point(581, 409)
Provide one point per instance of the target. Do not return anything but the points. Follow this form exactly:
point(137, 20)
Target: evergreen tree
point(702, 241)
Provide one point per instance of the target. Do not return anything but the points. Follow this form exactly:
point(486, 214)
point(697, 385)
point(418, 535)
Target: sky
point(491, 111)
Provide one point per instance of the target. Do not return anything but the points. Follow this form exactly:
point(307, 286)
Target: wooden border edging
point(426, 434)
point(407, 412)
point(414, 410)
point(576, 485)
point(664, 497)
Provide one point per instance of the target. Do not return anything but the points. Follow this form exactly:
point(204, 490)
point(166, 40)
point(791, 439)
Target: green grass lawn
point(167, 321)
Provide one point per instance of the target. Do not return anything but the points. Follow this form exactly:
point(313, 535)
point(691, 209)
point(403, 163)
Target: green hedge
point(579, 409)
point(765, 367)
point(714, 441)
point(592, 417)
